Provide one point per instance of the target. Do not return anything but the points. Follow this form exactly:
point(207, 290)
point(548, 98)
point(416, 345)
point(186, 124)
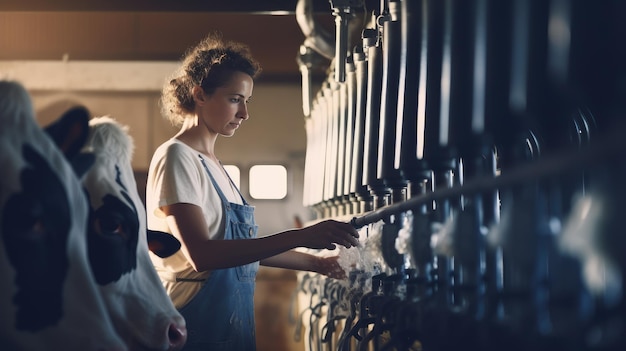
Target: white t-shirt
point(176, 175)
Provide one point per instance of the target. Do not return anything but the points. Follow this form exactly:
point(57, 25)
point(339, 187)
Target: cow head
point(118, 244)
point(47, 290)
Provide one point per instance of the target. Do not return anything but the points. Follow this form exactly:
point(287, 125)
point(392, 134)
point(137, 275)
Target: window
point(234, 174)
point(268, 182)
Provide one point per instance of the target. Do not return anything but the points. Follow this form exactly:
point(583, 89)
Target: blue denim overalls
point(221, 315)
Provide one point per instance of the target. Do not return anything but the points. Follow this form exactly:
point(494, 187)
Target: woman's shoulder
point(175, 147)
point(174, 154)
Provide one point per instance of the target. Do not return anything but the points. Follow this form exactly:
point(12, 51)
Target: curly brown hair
point(209, 64)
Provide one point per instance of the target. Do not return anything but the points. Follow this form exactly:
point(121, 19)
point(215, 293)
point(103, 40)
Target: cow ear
point(162, 244)
point(70, 131)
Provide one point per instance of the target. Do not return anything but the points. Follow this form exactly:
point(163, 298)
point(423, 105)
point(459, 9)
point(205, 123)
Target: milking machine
point(476, 146)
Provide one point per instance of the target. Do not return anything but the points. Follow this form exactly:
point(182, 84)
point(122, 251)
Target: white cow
point(142, 313)
point(49, 299)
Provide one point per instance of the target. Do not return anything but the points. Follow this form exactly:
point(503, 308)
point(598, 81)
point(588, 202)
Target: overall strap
point(243, 199)
point(219, 190)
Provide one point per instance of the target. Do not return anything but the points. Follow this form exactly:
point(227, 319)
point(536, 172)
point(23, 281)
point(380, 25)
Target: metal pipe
point(391, 51)
point(372, 119)
point(343, 10)
point(341, 100)
point(316, 37)
point(305, 62)
point(356, 177)
point(412, 72)
point(351, 101)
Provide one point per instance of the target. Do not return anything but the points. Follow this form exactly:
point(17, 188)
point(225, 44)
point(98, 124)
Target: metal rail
point(612, 145)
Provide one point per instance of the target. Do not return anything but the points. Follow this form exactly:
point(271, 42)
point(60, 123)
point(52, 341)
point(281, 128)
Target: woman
point(211, 278)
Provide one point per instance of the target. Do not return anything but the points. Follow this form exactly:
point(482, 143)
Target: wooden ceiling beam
point(239, 6)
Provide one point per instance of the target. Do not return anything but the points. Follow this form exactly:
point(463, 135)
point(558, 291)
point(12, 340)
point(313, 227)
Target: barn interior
point(477, 145)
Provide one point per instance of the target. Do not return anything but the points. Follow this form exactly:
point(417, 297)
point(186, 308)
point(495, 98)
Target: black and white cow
point(49, 299)
point(117, 237)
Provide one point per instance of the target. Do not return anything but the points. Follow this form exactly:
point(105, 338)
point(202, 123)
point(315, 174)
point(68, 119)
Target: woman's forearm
point(293, 259)
point(187, 224)
point(216, 254)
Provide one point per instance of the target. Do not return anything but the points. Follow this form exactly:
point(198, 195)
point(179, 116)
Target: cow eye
point(30, 223)
point(110, 225)
point(38, 227)
point(32, 229)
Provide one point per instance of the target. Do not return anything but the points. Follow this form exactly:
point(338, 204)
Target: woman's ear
point(198, 94)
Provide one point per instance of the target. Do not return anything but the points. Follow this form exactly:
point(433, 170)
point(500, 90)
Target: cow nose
point(177, 334)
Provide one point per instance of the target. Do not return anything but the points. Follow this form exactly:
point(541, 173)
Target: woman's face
point(225, 110)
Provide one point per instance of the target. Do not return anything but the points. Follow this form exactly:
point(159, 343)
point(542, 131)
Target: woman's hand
point(325, 234)
point(329, 266)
